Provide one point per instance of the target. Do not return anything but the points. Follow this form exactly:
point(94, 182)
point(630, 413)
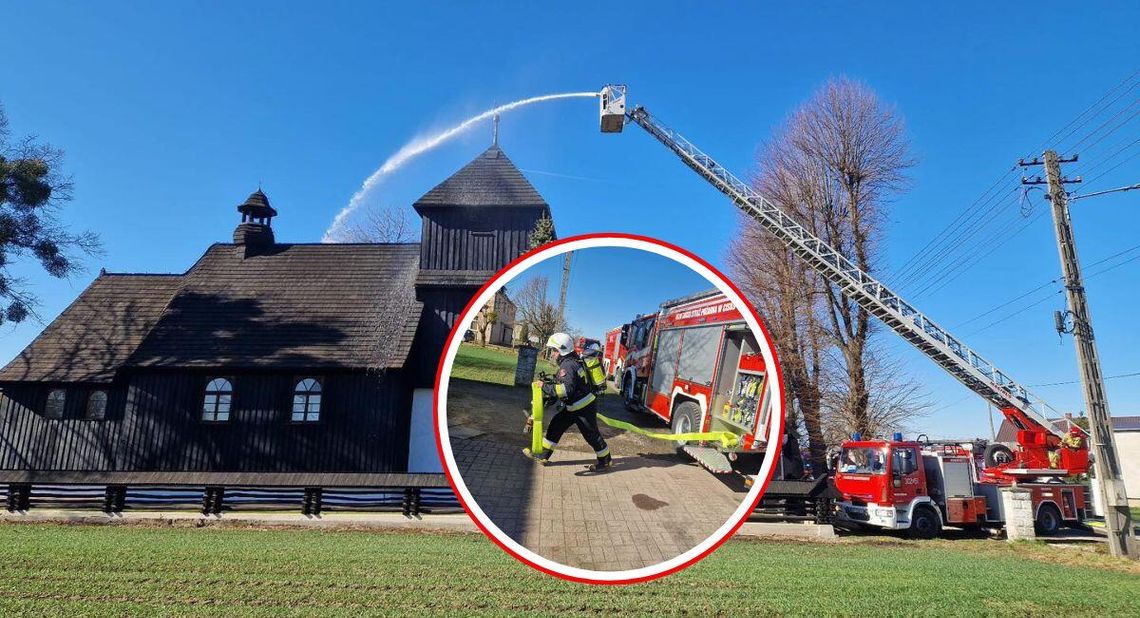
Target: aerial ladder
point(1041, 448)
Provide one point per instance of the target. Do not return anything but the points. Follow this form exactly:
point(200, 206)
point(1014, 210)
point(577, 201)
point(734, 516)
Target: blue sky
point(599, 297)
point(172, 113)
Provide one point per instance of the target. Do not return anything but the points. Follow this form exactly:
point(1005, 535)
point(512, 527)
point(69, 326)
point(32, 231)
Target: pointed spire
point(495, 131)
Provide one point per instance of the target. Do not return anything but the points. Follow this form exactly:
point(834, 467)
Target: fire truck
point(613, 354)
point(581, 343)
point(954, 488)
point(918, 486)
point(697, 366)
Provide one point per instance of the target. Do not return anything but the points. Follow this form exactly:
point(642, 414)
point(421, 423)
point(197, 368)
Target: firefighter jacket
point(571, 384)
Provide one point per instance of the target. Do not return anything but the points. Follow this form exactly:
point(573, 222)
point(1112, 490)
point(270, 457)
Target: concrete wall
point(422, 453)
point(1128, 449)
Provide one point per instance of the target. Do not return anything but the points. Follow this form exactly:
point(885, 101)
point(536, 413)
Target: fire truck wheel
point(686, 419)
point(1048, 520)
point(627, 393)
point(924, 524)
point(997, 454)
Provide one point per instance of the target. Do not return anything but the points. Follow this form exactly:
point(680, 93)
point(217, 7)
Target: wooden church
point(266, 362)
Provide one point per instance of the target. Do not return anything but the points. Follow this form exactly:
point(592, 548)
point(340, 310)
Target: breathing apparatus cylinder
point(595, 373)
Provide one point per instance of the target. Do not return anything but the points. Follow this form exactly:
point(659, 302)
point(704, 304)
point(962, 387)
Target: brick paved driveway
point(650, 507)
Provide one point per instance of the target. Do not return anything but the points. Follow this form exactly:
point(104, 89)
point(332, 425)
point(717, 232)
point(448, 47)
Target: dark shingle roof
point(257, 204)
point(491, 179)
point(302, 306)
point(97, 333)
point(291, 306)
point(448, 278)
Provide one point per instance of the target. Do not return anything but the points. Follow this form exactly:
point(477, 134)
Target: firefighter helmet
point(561, 342)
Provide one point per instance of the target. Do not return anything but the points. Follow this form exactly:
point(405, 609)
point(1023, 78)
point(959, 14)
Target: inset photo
point(609, 408)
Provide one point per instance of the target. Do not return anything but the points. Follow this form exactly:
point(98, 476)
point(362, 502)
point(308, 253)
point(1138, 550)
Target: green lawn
point(113, 570)
point(490, 364)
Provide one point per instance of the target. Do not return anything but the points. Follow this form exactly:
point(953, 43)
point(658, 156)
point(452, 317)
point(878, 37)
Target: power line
point(1115, 377)
point(995, 241)
point(1113, 267)
point(1077, 146)
point(1089, 167)
point(902, 269)
point(953, 270)
point(1117, 254)
point(1114, 167)
point(1014, 314)
point(969, 228)
point(1045, 285)
point(1073, 198)
point(1090, 108)
point(947, 243)
point(1050, 296)
point(930, 277)
point(1008, 303)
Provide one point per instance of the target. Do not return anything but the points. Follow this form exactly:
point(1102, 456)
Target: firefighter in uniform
point(572, 389)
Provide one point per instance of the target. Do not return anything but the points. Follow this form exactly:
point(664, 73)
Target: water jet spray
point(421, 145)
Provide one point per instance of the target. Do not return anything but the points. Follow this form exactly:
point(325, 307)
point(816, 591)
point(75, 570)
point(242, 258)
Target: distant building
point(265, 357)
point(1126, 431)
point(503, 327)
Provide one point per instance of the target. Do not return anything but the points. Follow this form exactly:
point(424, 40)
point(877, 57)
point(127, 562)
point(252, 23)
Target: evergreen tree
point(31, 192)
point(543, 232)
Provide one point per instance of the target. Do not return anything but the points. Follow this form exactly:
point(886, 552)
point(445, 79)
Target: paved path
point(648, 508)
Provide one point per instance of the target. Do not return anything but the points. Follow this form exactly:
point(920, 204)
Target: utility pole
point(1106, 464)
point(565, 285)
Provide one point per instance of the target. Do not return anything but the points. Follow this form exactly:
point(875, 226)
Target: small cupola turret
point(256, 220)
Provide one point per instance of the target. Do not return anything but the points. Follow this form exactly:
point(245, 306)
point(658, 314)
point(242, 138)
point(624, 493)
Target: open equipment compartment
point(741, 395)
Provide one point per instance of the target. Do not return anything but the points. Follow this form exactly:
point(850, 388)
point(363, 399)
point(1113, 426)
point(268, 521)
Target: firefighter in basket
point(577, 404)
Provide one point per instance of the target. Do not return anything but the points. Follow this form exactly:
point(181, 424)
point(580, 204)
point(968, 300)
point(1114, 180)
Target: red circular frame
point(439, 438)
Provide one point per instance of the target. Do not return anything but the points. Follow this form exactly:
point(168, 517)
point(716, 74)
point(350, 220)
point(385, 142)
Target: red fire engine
point(697, 365)
point(919, 485)
point(582, 342)
point(613, 355)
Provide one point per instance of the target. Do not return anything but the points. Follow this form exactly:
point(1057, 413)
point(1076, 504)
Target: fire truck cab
point(697, 366)
point(613, 354)
point(921, 487)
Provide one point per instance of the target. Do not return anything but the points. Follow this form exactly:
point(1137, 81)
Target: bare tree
point(786, 292)
point(853, 155)
point(833, 165)
point(535, 311)
point(388, 224)
point(895, 400)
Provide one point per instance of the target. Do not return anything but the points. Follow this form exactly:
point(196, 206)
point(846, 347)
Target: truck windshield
point(862, 460)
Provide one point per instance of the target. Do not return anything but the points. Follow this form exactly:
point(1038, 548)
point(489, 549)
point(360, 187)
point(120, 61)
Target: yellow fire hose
point(536, 417)
point(726, 439)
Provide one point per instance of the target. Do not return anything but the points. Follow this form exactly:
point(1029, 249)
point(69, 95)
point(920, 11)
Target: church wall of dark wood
point(442, 308)
point(32, 441)
point(473, 238)
point(157, 425)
